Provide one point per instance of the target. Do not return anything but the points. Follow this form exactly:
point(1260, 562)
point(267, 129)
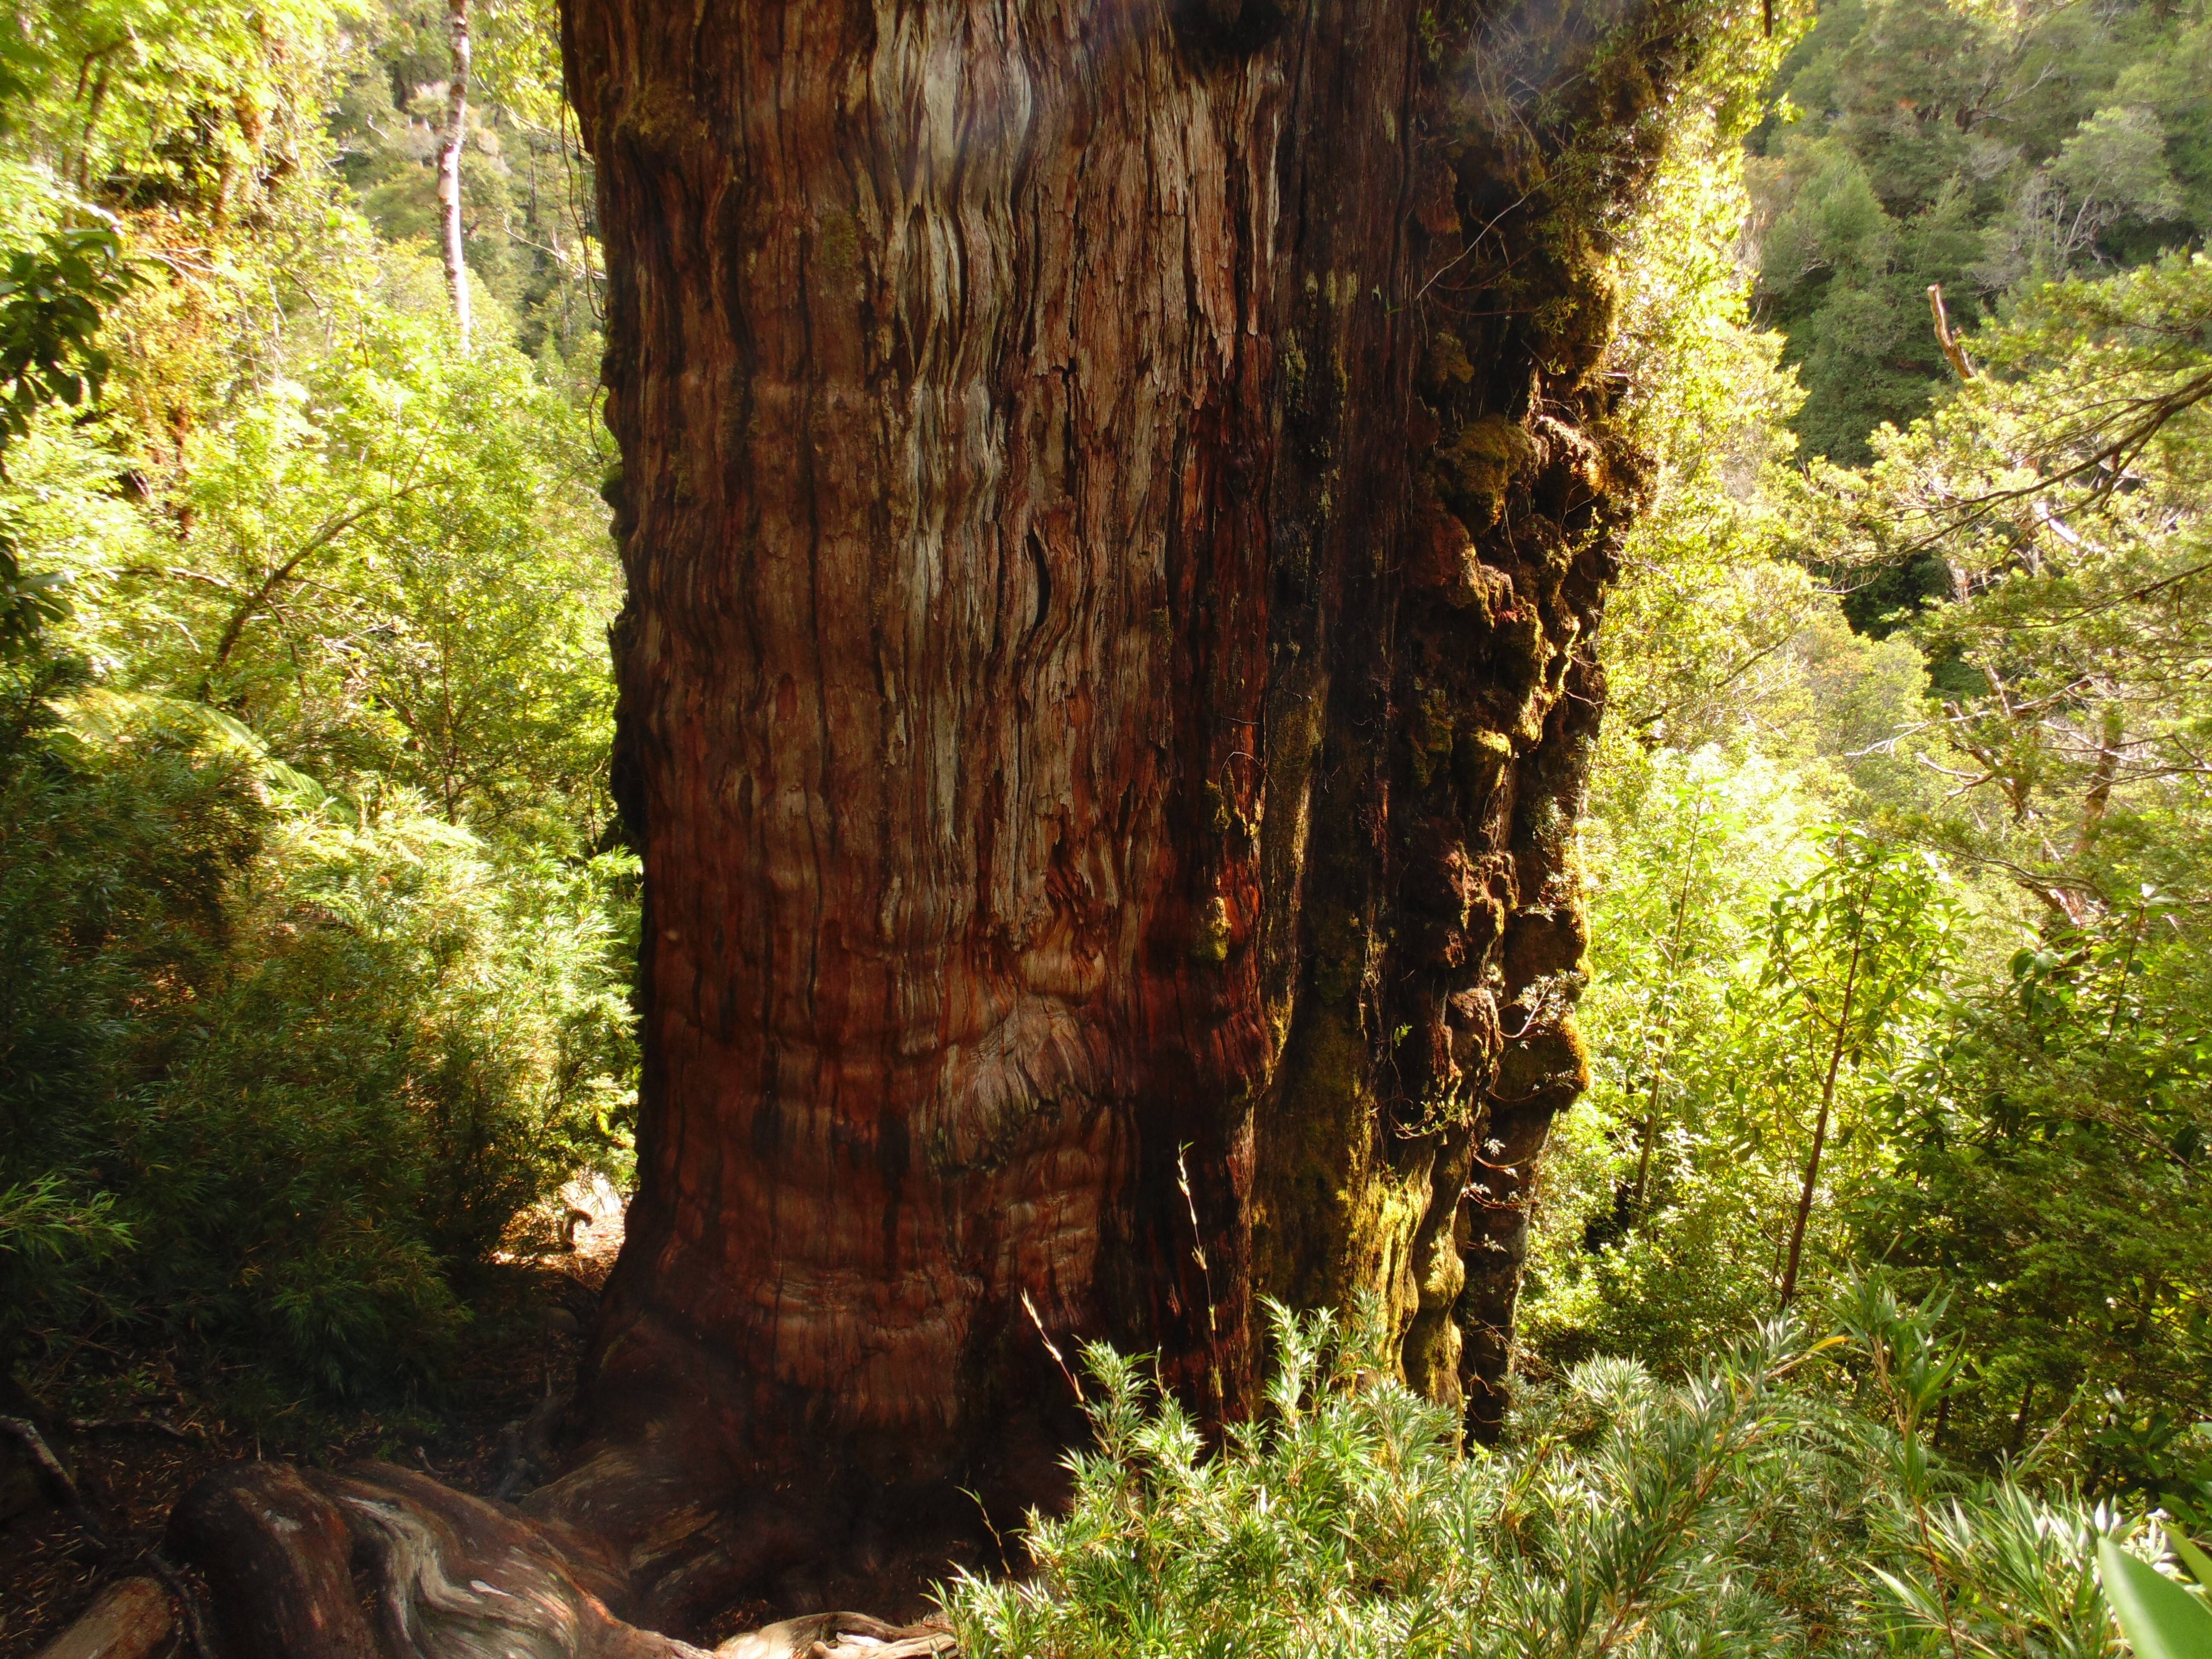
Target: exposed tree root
point(828, 1635)
point(380, 1562)
point(526, 1446)
point(131, 1619)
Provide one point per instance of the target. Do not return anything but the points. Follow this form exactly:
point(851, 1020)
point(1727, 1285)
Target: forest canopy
point(318, 923)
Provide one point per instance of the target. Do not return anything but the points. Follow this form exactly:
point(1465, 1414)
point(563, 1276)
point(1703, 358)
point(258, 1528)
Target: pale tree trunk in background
point(449, 165)
point(1117, 497)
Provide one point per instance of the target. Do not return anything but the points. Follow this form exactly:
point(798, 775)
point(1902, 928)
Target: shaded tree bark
point(1117, 500)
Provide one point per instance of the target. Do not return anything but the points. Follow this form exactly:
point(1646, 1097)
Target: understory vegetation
point(317, 931)
point(1898, 887)
point(314, 943)
point(1783, 1498)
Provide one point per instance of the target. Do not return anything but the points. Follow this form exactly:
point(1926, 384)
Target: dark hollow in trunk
point(1117, 498)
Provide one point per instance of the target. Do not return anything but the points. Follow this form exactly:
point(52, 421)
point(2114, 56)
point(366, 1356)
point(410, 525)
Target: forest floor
point(535, 1314)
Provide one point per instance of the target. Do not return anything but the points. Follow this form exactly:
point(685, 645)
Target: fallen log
point(131, 1619)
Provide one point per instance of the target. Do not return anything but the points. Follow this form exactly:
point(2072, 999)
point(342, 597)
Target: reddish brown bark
point(1105, 675)
point(1116, 497)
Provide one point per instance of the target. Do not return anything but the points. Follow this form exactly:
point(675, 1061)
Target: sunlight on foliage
point(1783, 1498)
point(1981, 655)
point(315, 933)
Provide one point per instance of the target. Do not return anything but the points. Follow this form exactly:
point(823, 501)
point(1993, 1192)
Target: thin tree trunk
point(449, 165)
point(2098, 797)
point(1642, 1199)
point(1955, 351)
point(1820, 1128)
point(2019, 1419)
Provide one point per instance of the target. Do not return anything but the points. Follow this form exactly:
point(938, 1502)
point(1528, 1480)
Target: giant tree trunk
point(1117, 497)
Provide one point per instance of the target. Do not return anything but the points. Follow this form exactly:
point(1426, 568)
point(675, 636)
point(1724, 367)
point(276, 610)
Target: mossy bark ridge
point(1117, 500)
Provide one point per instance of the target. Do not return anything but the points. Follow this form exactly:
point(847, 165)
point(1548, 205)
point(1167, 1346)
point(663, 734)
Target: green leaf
point(2161, 1619)
point(2199, 1565)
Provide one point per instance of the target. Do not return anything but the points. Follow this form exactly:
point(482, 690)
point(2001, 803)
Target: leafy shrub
point(2052, 1164)
point(277, 1067)
point(1784, 1500)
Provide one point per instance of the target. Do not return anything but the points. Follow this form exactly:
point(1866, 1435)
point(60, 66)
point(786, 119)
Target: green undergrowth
point(280, 1070)
point(1785, 1499)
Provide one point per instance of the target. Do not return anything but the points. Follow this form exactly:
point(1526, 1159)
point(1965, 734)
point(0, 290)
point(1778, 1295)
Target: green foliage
point(314, 960)
point(2066, 490)
point(1986, 149)
point(2161, 1619)
point(1656, 1233)
point(284, 1063)
point(1727, 1020)
point(1718, 633)
point(1856, 943)
point(1782, 1499)
point(2020, 1108)
point(51, 300)
point(1960, 1565)
point(52, 1242)
point(396, 566)
point(1851, 949)
point(2050, 1142)
point(2050, 1157)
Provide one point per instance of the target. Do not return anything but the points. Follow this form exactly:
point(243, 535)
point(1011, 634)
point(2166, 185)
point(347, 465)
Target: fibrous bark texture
point(1116, 500)
point(1117, 497)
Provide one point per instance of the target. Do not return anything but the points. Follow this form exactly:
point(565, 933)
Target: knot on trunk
point(1212, 31)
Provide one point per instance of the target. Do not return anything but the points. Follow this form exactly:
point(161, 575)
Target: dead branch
point(1953, 352)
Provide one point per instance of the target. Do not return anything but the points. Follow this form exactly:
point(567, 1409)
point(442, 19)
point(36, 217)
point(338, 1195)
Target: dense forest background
point(316, 926)
point(314, 934)
point(1899, 825)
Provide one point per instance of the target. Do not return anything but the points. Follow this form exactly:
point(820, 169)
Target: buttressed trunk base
point(1117, 497)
